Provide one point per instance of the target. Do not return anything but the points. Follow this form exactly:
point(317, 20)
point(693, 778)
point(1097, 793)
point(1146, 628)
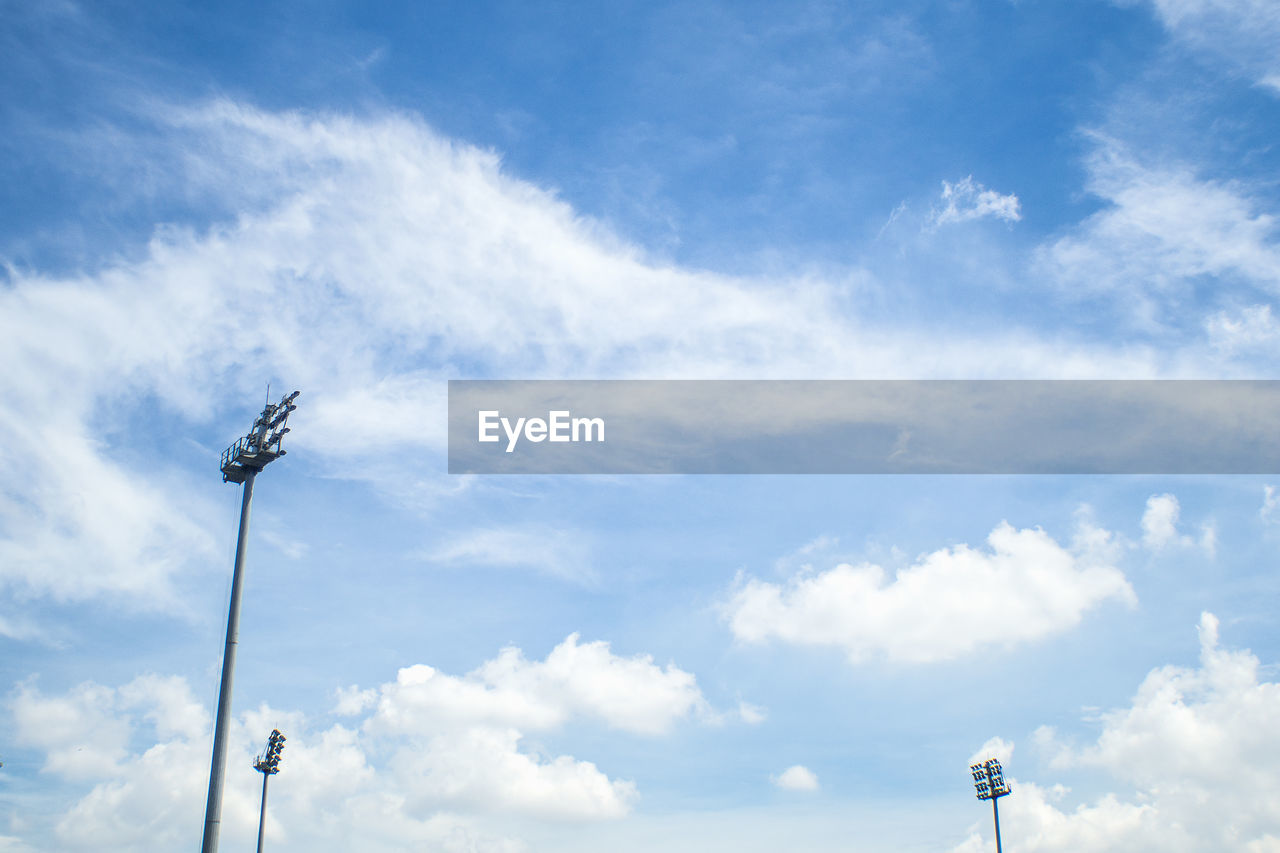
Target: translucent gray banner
point(864, 427)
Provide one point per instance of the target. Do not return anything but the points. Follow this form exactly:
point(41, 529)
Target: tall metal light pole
point(268, 764)
point(988, 778)
point(241, 462)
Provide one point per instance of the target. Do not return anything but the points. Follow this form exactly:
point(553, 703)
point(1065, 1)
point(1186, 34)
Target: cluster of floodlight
point(273, 419)
point(269, 761)
point(253, 452)
point(988, 779)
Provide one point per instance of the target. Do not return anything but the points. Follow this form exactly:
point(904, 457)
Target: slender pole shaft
point(995, 810)
point(213, 809)
point(262, 817)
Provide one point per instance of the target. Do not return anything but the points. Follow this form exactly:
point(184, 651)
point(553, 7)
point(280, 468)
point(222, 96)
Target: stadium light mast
point(241, 463)
point(988, 778)
point(268, 764)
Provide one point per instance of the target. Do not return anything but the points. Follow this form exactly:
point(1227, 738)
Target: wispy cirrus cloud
point(1241, 33)
point(1164, 235)
point(367, 260)
point(1252, 330)
point(547, 550)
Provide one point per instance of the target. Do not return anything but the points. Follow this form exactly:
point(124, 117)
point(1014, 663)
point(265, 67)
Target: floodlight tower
point(241, 463)
point(988, 778)
point(268, 764)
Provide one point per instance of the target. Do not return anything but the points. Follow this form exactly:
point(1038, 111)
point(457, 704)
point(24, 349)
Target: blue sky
point(363, 201)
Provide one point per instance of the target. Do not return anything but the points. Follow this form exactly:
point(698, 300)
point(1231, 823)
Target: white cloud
point(22, 628)
point(1095, 544)
point(1160, 527)
point(950, 603)
point(803, 557)
point(796, 778)
point(83, 525)
point(350, 701)
point(997, 748)
point(1270, 511)
point(86, 737)
point(13, 844)
point(430, 752)
point(85, 733)
point(1243, 33)
point(78, 733)
point(483, 768)
point(1160, 522)
point(390, 259)
point(291, 548)
point(1251, 330)
point(1032, 817)
point(457, 738)
point(1208, 539)
point(967, 200)
point(1180, 716)
point(553, 552)
point(167, 704)
point(576, 680)
point(1199, 750)
point(149, 800)
point(1163, 227)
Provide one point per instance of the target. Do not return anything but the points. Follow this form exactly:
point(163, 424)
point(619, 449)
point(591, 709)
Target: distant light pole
point(241, 462)
point(268, 764)
point(988, 778)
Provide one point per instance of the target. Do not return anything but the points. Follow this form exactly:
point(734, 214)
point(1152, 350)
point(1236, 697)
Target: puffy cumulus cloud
point(1033, 816)
point(1181, 715)
point(950, 603)
point(77, 732)
point(997, 748)
point(1162, 227)
point(87, 736)
point(585, 680)
point(350, 701)
point(1196, 747)
point(327, 797)
point(455, 740)
point(482, 768)
point(367, 259)
point(1094, 543)
point(1160, 527)
point(151, 799)
point(968, 200)
point(82, 732)
point(796, 778)
point(1160, 521)
point(428, 759)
